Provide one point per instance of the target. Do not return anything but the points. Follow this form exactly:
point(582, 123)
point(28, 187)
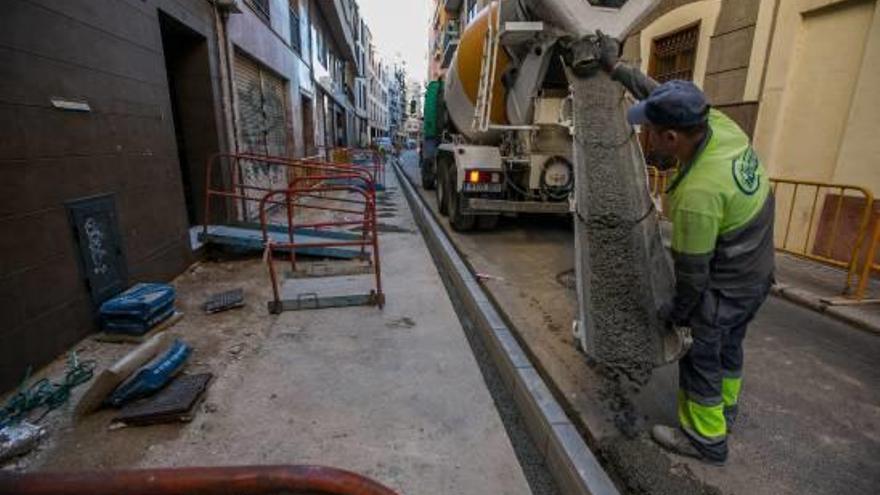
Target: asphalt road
point(810, 409)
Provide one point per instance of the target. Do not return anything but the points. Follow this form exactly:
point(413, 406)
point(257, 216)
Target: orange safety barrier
point(241, 180)
point(799, 221)
point(869, 265)
point(248, 480)
point(799, 205)
point(369, 158)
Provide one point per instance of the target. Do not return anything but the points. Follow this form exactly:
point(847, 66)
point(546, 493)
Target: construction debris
point(138, 309)
point(19, 439)
point(45, 394)
point(122, 338)
point(224, 301)
point(152, 377)
point(110, 378)
point(175, 403)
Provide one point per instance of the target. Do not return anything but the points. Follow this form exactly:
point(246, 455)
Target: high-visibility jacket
point(722, 212)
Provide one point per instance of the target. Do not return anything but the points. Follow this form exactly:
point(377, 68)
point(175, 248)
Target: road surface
point(810, 410)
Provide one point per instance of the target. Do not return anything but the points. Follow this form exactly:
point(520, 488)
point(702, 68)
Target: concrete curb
point(809, 300)
point(571, 463)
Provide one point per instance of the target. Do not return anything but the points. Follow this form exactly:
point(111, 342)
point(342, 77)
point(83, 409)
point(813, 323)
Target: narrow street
point(220, 272)
point(810, 404)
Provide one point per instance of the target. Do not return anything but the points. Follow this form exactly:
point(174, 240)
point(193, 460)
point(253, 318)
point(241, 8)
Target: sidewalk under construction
point(393, 394)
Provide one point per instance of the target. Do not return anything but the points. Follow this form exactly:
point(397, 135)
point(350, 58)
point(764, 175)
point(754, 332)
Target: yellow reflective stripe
point(730, 388)
point(706, 421)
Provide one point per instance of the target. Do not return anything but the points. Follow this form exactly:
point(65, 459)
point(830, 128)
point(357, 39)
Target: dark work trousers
point(710, 375)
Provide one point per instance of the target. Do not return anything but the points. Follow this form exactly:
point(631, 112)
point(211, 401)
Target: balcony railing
point(449, 42)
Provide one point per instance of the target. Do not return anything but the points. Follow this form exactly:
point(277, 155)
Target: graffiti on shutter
point(262, 110)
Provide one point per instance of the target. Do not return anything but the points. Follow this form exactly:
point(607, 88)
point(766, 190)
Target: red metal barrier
point(228, 182)
point(255, 480)
point(367, 221)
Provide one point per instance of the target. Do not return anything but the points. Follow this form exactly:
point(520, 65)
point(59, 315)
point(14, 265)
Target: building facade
point(397, 103)
point(379, 80)
point(414, 101)
point(108, 118)
point(448, 22)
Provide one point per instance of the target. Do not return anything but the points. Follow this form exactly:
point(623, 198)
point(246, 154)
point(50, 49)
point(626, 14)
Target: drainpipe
point(222, 9)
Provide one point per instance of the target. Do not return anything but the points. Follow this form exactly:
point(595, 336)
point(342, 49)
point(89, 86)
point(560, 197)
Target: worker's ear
point(669, 137)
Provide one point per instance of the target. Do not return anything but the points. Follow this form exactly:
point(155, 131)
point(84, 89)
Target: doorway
point(187, 66)
point(308, 119)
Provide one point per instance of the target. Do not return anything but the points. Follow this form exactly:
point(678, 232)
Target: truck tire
point(442, 186)
point(459, 221)
point(429, 177)
point(487, 222)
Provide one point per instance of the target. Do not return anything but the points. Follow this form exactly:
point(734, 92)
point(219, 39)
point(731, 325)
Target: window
point(673, 56)
point(472, 10)
point(295, 35)
point(261, 7)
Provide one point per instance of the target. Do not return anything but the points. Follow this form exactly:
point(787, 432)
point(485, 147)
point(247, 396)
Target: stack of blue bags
point(138, 309)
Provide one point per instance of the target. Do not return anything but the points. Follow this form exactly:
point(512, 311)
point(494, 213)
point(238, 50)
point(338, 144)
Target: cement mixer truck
point(498, 137)
point(525, 122)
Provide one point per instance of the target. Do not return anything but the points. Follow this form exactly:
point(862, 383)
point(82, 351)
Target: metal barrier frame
point(251, 480)
point(234, 189)
point(658, 181)
point(869, 266)
point(850, 265)
point(369, 238)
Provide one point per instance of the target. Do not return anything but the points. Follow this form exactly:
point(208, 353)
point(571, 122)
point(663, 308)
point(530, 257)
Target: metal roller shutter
point(262, 127)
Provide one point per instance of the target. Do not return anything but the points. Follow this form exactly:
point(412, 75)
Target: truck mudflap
point(483, 206)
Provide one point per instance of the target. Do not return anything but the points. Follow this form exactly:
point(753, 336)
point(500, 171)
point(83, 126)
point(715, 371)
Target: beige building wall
point(819, 117)
point(808, 107)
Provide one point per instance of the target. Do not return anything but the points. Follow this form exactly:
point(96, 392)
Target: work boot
point(676, 441)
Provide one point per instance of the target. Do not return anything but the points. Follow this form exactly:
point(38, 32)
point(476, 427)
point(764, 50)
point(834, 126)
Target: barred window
point(261, 7)
point(295, 36)
point(673, 56)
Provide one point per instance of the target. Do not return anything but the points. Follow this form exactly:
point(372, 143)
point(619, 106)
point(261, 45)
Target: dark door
point(308, 118)
point(96, 232)
point(188, 70)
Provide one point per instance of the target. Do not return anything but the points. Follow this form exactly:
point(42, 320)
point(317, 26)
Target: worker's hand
point(608, 51)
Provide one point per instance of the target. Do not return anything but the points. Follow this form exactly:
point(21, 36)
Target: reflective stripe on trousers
point(710, 375)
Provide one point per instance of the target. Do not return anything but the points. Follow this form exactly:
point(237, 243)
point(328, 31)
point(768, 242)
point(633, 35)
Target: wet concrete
point(810, 417)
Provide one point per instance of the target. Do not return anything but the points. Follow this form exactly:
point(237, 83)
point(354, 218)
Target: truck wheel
point(442, 185)
point(460, 222)
point(429, 177)
point(487, 222)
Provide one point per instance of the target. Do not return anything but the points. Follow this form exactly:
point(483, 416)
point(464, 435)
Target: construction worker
point(722, 212)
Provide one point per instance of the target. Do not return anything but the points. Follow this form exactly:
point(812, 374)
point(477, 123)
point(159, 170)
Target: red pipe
point(253, 480)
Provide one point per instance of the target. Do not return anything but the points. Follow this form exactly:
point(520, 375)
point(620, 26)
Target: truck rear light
point(482, 177)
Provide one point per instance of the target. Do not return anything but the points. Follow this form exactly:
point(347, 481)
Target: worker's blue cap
point(672, 104)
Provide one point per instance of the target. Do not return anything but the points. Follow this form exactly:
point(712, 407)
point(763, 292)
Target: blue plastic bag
point(150, 378)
